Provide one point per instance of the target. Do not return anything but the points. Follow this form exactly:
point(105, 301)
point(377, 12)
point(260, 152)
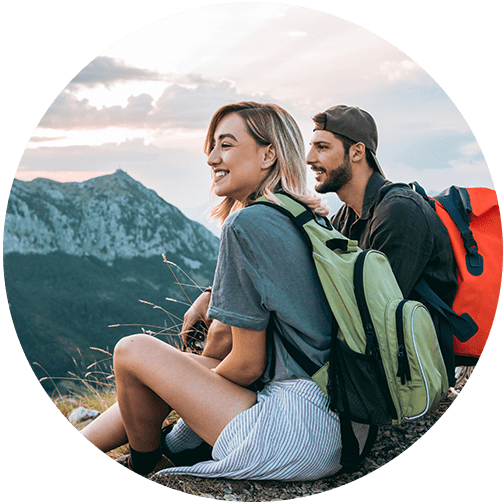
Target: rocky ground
point(391, 442)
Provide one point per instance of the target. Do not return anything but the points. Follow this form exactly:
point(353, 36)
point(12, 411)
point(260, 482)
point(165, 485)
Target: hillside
point(79, 257)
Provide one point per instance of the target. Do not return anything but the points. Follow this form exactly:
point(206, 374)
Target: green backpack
point(386, 365)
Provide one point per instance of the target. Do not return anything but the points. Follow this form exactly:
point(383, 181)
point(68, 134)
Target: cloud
point(38, 139)
point(471, 149)
point(316, 60)
point(68, 112)
point(106, 71)
point(296, 34)
point(192, 107)
point(398, 70)
point(188, 102)
point(296, 55)
point(434, 149)
point(468, 173)
point(106, 157)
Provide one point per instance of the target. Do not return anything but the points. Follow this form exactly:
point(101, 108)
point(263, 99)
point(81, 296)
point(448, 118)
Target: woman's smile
point(237, 161)
point(219, 175)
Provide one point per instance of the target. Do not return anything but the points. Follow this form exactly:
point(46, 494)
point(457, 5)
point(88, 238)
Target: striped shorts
point(290, 434)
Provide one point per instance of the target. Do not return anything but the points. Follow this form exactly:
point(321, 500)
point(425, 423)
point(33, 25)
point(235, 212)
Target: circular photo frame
point(135, 117)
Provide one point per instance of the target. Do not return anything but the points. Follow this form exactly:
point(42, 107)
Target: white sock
point(181, 438)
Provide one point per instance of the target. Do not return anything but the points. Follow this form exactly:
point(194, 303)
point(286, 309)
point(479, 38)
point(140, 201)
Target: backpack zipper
point(403, 368)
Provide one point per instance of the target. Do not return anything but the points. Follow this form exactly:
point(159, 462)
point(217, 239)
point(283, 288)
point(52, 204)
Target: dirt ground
point(391, 442)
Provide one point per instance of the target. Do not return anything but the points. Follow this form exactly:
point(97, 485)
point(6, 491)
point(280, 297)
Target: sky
point(143, 104)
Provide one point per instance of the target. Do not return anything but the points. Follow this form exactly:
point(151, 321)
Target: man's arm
point(196, 312)
point(218, 340)
point(401, 231)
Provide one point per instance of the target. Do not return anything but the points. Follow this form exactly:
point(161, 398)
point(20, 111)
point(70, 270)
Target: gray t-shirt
point(265, 278)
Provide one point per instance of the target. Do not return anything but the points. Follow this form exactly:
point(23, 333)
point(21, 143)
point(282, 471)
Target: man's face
point(328, 160)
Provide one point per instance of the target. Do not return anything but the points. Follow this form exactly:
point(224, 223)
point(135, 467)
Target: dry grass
point(92, 387)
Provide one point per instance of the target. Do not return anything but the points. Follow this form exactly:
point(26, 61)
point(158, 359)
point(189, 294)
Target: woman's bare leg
point(151, 374)
point(107, 432)
point(142, 410)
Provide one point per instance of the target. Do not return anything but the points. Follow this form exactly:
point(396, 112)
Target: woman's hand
point(196, 313)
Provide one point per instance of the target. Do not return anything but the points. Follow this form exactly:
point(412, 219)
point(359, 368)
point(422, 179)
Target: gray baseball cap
point(353, 123)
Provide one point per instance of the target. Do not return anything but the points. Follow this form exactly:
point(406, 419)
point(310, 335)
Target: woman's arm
point(219, 341)
point(247, 360)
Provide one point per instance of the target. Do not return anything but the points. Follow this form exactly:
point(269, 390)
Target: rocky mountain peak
point(109, 217)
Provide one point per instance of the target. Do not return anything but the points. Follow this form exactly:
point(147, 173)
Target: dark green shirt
point(403, 226)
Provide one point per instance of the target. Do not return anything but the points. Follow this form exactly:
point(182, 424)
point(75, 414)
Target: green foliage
point(63, 305)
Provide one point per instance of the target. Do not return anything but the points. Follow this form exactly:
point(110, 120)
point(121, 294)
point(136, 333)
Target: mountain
point(78, 257)
point(107, 217)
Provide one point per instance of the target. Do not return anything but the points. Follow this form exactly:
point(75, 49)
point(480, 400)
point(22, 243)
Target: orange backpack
point(472, 218)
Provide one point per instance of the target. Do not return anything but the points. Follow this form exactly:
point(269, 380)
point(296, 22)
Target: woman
point(259, 410)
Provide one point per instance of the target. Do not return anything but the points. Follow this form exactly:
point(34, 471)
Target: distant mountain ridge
point(78, 257)
point(108, 217)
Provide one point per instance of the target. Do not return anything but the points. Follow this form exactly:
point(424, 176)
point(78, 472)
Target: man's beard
point(338, 177)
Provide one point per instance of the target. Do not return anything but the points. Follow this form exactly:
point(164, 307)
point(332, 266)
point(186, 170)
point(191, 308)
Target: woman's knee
point(131, 350)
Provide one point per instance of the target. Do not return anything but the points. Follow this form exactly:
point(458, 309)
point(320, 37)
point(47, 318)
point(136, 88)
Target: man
point(398, 222)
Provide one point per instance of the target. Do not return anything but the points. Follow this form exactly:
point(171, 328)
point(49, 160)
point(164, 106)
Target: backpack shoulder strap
point(457, 202)
point(301, 215)
point(415, 186)
point(463, 325)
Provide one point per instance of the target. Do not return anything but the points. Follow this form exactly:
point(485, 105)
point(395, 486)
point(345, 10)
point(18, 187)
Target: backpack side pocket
point(357, 386)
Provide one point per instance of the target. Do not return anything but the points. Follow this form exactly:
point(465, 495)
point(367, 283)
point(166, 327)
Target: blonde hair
point(269, 124)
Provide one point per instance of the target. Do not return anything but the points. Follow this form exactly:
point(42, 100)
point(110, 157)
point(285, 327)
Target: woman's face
point(238, 163)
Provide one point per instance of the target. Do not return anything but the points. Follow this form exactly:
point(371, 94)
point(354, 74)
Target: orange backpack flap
point(478, 291)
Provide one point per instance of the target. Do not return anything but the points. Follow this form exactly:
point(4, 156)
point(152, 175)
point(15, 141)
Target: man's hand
point(218, 339)
point(196, 313)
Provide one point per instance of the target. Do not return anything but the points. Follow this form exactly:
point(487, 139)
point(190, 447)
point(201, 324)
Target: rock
point(231, 497)
point(82, 414)
point(370, 464)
